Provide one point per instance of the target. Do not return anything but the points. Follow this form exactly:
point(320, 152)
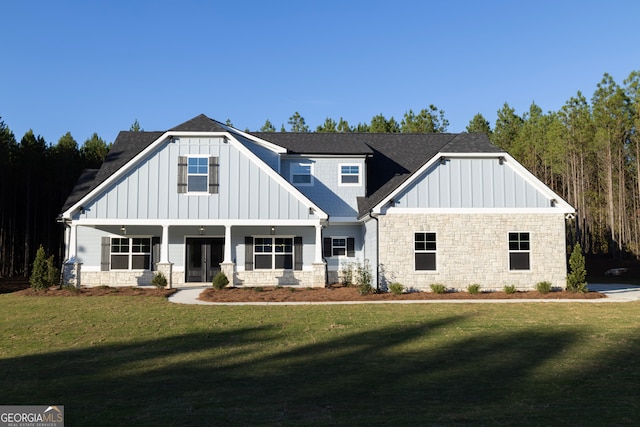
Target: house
point(297, 208)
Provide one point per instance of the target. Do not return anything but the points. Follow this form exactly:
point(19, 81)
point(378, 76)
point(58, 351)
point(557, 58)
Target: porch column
point(73, 239)
point(164, 248)
point(227, 245)
point(318, 255)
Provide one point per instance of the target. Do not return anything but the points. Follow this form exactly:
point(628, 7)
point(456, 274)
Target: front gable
point(461, 181)
point(147, 187)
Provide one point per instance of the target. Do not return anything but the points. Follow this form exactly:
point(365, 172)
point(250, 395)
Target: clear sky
point(97, 66)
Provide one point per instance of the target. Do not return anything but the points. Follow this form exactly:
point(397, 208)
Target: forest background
point(588, 152)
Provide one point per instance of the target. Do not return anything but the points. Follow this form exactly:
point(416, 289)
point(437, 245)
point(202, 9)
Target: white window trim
point(509, 252)
point(435, 270)
point(197, 156)
point(341, 184)
point(291, 174)
point(130, 254)
point(345, 247)
point(273, 253)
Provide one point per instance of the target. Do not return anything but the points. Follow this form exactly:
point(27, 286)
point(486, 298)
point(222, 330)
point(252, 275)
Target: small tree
point(53, 272)
point(576, 280)
point(39, 274)
point(220, 281)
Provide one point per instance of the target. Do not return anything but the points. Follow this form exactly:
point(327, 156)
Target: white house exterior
point(294, 208)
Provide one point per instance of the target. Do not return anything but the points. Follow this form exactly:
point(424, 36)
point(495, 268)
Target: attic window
point(198, 174)
point(302, 174)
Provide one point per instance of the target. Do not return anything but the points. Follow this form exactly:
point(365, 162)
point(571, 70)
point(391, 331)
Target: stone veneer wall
point(473, 248)
point(116, 278)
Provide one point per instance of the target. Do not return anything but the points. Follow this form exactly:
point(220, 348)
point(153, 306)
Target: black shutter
point(155, 252)
point(105, 254)
point(248, 253)
point(182, 174)
point(351, 247)
point(214, 172)
point(326, 250)
point(297, 253)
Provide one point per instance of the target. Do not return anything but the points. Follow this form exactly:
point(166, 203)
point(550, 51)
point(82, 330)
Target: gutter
point(370, 213)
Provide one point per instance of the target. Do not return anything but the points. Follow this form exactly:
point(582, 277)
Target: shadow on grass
point(400, 374)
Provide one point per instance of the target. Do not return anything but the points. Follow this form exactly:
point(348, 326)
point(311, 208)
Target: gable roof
point(392, 158)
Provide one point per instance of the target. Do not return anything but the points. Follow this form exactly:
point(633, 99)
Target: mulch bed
point(342, 293)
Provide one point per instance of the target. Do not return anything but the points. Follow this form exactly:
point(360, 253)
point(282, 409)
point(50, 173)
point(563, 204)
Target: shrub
point(346, 273)
point(39, 274)
point(576, 279)
point(366, 289)
point(363, 273)
point(543, 287)
point(220, 280)
point(396, 288)
point(258, 289)
point(159, 280)
point(510, 289)
point(53, 272)
point(473, 289)
point(438, 288)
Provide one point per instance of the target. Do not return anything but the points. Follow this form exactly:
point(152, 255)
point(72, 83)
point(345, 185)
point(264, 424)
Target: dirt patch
point(342, 293)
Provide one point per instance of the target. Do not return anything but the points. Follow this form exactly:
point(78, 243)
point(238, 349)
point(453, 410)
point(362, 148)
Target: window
point(273, 253)
point(425, 251)
point(349, 174)
point(131, 253)
point(198, 174)
point(339, 246)
point(519, 249)
point(302, 174)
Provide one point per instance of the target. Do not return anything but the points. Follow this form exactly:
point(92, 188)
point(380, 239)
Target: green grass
point(146, 362)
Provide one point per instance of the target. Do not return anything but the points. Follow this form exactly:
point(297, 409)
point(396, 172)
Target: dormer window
point(302, 174)
point(349, 174)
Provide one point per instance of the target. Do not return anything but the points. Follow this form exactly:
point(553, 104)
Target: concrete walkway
point(614, 293)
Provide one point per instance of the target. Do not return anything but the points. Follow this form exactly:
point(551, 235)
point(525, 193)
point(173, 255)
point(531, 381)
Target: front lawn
point(115, 360)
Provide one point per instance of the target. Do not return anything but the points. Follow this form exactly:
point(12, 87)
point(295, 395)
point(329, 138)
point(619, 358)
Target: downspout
point(377, 249)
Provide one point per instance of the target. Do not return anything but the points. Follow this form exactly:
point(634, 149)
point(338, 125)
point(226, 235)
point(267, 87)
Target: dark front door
point(204, 256)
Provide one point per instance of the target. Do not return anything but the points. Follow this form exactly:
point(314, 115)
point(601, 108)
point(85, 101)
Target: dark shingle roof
point(318, 143)
point(200, 123)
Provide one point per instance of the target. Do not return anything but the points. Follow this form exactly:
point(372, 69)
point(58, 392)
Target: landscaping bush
point(543, 287)
point(346, 274)
point(510, 289)
point(396, 288)
point(220, 281)
point(366, 289)
point(473, 289)
point(159, 280)
point(576, 279)
point(43, 274)
point(438, 288)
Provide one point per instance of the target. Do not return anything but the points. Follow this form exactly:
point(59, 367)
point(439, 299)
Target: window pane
point(263, 262)
point(140, 245)
point(519, 261)
point(119, 262)
point(197, 183)
point(284, 261)
point(349, 179)
point(339, 251)
point(140, 262)
point(119, 245)
point(425, 261)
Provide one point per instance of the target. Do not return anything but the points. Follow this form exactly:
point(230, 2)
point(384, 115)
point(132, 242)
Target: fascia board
point(268, 145)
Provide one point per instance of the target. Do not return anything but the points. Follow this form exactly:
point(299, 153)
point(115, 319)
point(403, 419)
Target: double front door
point(204, 256)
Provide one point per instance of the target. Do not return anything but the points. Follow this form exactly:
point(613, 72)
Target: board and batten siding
point(149, 190)
point(471, 183)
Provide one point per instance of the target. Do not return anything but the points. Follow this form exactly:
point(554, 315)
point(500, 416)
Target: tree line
point(588, 152)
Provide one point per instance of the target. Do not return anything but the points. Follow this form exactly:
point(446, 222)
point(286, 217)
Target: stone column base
point(228, 269)
point(166, 268)
point(319, 274)
point(71, 274)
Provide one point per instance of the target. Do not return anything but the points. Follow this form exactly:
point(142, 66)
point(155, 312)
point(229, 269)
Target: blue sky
point(96, 66)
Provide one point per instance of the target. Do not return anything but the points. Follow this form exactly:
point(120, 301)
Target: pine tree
point(576, 280)
point(39, 275)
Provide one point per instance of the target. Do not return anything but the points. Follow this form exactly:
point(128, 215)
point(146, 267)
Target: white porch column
point(227, 244)
point(164, 248)
point(318, 255)
point(73, 245)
